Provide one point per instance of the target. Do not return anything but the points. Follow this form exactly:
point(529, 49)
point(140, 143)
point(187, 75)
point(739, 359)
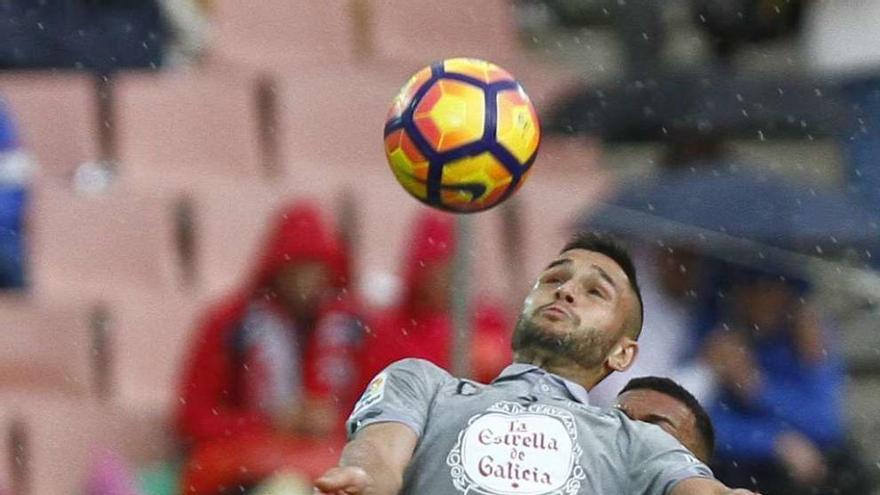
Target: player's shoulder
point(421, 367)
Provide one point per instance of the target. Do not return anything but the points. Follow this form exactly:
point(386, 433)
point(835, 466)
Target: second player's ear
point(623, 355)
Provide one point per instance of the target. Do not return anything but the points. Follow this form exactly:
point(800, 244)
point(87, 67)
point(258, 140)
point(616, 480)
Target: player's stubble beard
point(585, 347)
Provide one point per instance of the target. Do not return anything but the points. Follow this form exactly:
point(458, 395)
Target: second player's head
point(584, 311)
point(670, 406)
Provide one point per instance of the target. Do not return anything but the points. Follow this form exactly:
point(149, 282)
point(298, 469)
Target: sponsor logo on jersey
point(374, 393)
point(515, 450)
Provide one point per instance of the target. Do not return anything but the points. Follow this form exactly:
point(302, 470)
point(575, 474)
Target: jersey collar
point(515, 370)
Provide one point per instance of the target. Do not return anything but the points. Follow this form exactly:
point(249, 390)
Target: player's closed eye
point(598, 293)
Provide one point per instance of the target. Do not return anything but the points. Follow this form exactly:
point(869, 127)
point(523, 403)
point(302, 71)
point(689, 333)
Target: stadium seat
point(149, 339)
point(419, 33)
point(102, 244)
point(231, 222)
point(57, 116)
point(182, 127)
point(62, 439)
point(47, 348)
point(429, 31)
point(335, 118)
point(281, 33)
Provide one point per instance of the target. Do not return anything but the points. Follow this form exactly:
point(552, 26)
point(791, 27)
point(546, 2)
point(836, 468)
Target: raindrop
point(818, 92)
point(819, 249)
point(780, 91)
point(761, 135)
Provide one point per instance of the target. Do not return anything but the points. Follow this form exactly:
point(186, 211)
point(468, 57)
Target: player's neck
point(561, 366)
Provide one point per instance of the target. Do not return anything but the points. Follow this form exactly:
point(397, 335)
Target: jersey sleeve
point(401, 393)
point(658, 462)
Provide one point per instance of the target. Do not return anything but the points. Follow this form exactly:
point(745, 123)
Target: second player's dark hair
point(676, 391)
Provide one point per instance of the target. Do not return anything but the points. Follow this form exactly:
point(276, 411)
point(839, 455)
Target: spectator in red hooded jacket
point(274, 365)
point(420, 326)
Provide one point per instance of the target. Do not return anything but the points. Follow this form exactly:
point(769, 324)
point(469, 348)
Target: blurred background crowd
point(204, 258)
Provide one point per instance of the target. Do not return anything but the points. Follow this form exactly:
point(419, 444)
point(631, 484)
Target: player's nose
point(564, 293)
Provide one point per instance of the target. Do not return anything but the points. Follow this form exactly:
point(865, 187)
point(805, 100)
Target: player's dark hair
point(615, 249)
point(669, 387)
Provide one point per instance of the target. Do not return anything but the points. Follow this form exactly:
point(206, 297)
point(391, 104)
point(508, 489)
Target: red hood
point(300, 234)
point(432, 242)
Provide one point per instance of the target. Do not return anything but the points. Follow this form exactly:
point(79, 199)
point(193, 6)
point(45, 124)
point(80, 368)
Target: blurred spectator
point(779, 416)
point(97, 35)
point(16, 169)
point(731, 24)
point(274, 365)
point(840, 40)
point(420, 326)
point(675, 285)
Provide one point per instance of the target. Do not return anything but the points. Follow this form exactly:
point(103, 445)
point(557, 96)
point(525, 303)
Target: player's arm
point(705, 486)
point(372, 463)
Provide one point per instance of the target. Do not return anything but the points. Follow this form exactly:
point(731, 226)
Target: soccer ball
point(461, 135)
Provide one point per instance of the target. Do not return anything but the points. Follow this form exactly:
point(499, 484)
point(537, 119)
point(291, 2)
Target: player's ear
point(623, 355)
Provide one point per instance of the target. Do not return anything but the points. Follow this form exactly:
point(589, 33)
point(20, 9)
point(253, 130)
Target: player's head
point(585, 308)
point(667, 404)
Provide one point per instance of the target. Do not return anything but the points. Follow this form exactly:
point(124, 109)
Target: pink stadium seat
point(232, 220)
point(57, 117)
point(282, 33)
point(47, 347)
point(419, 33)
point(63, 439)
point(334, 118)
point(103, 244)
point(429, 31)
point(150, 337)
point(183, 126)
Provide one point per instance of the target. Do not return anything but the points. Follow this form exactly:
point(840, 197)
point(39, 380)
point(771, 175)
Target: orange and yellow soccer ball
point(462, 135)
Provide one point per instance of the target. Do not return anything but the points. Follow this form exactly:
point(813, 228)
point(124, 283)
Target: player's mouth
point(555, 312)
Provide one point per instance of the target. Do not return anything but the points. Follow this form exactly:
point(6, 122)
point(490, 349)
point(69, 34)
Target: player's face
point(668, 413)
point(301, 286)
point(581, 303)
